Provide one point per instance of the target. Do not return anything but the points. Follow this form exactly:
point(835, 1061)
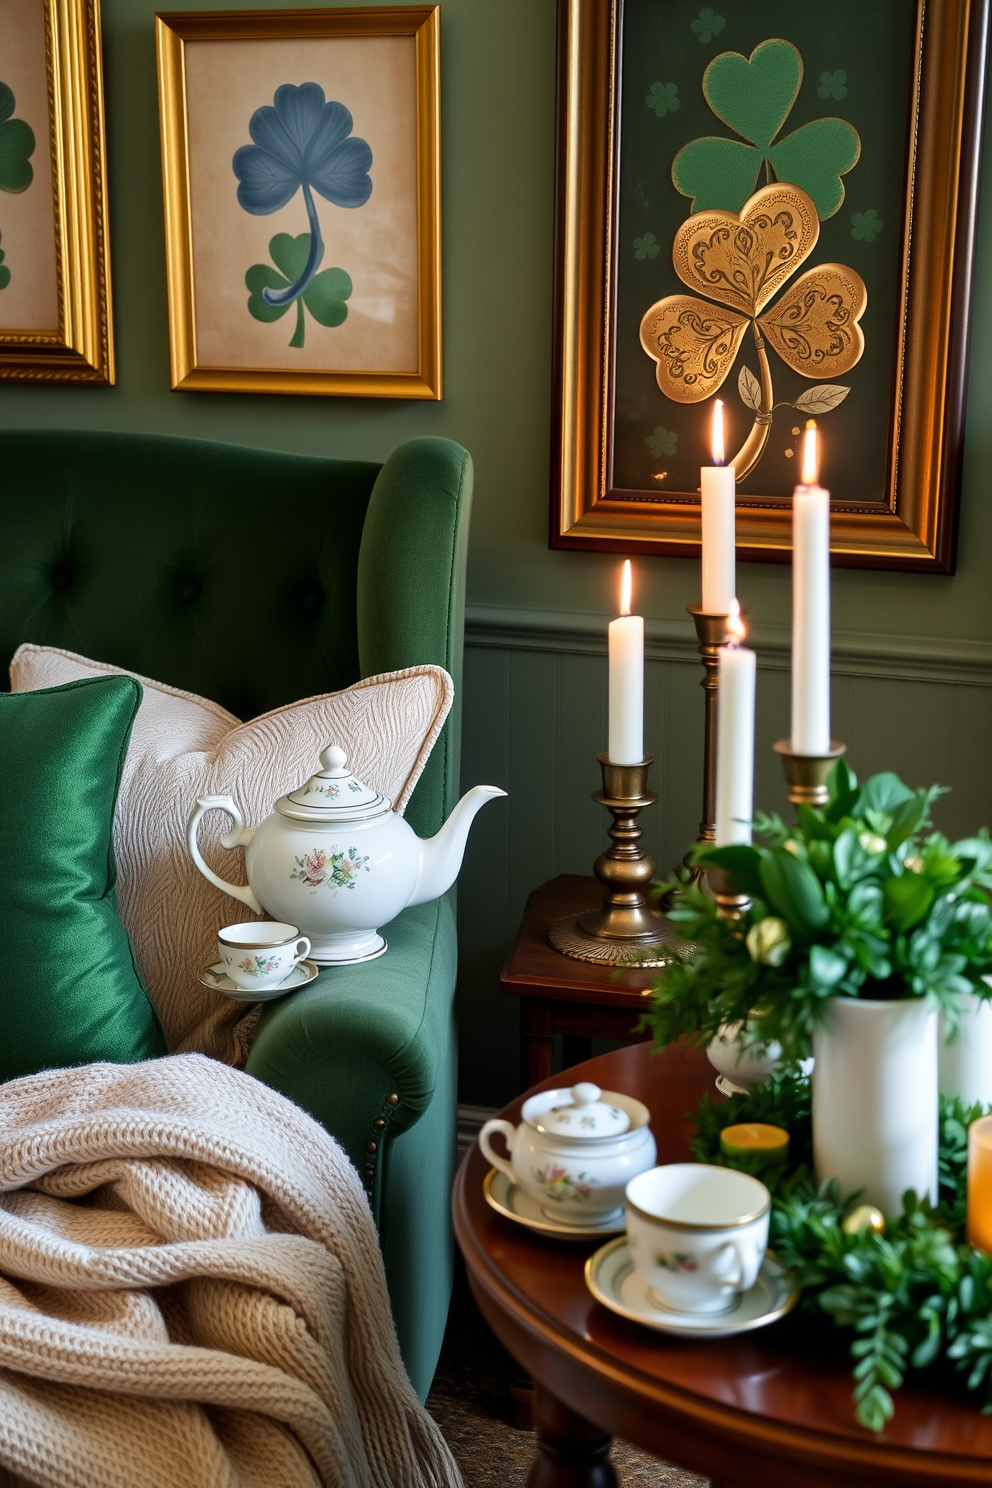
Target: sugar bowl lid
point(583, 1115)
point(333, 794)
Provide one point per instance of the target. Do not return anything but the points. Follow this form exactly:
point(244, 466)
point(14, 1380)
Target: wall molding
point(855, 653)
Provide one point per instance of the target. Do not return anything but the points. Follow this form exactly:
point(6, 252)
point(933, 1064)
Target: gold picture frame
point(909, 519)
point(221, 352)
point(54, 230)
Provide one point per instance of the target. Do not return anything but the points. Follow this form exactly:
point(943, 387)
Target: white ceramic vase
point(875, 1099)
point(964, 1065)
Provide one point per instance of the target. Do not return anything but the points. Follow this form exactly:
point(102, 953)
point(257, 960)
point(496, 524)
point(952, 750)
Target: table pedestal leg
point(573, 1453)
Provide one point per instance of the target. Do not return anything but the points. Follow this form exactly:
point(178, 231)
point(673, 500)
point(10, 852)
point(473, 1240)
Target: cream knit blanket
point(191, 1292)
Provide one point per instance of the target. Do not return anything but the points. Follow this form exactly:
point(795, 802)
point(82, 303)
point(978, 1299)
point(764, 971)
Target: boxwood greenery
point(859, 899)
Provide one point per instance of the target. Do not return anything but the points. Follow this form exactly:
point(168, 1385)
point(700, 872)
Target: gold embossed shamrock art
point(740, 260)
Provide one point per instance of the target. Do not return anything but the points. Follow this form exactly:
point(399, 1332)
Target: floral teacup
point(697, 1234)
point(261, 953)
point(575, 1151)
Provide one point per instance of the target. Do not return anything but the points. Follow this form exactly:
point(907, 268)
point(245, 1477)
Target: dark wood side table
point(578, 999)
point(764, 1410)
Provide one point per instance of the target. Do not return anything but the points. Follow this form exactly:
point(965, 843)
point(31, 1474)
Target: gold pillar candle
point(980, 1184)
point(768, 1146)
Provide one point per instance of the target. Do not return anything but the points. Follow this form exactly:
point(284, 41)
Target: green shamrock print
point(662, 442)
point(324, 296)
point(708, 24)
point(646, 247)
point(866, 226)
point(833, 85)
point(16, 171)
point(754, 96)
point(664, 99)
point(16, 144)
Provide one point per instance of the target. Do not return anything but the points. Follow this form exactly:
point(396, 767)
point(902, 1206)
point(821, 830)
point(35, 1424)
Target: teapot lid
point(333, 794)
point(583, 1115)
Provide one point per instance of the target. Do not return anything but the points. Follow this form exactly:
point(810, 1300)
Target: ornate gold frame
point(82, 348)
point(172, 31)
point(917, 528)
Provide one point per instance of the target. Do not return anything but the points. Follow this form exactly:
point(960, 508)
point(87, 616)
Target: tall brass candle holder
point(626, 928)
point(806, 774)
point(711, 632)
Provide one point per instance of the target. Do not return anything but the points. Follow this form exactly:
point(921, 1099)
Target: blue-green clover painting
point(16, 146)
point(301, 143)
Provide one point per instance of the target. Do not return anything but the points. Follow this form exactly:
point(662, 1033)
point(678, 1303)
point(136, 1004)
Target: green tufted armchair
point(131, 549)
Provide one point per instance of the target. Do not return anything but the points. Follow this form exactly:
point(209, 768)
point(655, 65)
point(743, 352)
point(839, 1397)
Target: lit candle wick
point(736, 629)
point(810, 474)
point(719, 453)
point(625, 588)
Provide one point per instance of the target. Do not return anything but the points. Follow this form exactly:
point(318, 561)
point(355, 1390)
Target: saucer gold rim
point(546, 1226)
point(723, 1324)
point(206, 978)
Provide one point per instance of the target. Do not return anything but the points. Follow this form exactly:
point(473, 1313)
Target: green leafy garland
point(912, 1295)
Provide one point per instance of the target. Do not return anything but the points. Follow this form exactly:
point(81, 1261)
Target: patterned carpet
point(470, 1400)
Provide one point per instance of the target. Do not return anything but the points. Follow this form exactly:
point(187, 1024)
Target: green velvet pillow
point(70, 991)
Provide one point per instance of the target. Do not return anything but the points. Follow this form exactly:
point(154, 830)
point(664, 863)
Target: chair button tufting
point(313, 602)
point(192, 589)
point(61, 578)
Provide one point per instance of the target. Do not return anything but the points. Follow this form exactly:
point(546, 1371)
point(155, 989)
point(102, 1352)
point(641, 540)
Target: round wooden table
point(760, 1411)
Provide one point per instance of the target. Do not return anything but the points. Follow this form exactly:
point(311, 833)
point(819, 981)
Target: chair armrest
point(360, 1035)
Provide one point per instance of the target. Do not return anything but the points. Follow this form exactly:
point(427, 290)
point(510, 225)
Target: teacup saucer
point(510, 1200)
point(217, 979)
point(611, 1278)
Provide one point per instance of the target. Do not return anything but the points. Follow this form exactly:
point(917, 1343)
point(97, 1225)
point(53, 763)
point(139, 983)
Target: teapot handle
point(239, 836)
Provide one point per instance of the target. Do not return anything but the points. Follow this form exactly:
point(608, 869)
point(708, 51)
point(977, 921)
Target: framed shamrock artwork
point(55, 316)
point(301, 172)
point(773, 204)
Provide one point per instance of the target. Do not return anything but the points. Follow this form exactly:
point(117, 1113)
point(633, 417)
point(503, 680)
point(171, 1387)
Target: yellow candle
point(755, 1139)
point(980, 1184)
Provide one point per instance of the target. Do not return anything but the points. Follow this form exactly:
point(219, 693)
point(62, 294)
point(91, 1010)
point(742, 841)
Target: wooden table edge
point(516, 1322)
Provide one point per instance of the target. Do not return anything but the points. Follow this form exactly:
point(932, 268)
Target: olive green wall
point(914, 653)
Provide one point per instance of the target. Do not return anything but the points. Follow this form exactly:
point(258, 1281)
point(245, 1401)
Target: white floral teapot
point(336, 860)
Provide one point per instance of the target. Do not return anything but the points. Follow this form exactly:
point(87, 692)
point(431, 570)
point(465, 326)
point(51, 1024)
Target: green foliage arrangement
point(859, 899)
point(909, 1297)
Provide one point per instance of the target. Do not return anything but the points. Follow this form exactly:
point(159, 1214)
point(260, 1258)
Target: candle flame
point(719, 452)
point(625, 588)
point(736, 629)
point(810, 474)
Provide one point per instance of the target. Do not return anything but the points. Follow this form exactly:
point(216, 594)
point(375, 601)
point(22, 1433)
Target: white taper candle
point(717, 492)
point(735, 736)
point(626, 640)
point(810, 607)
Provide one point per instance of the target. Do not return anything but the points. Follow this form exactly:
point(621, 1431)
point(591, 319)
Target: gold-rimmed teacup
point(261, 953)
point(697, 1234)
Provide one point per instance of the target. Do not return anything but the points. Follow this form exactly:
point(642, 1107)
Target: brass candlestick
point(711, 632)
point(806, 774)
point(625, 928)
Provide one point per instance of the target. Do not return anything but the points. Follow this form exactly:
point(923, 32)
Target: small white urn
point(875, 1099)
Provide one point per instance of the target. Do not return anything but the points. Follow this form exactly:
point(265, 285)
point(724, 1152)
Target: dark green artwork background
point(871, 41)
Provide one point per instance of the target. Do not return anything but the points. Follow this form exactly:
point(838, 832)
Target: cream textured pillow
point(184, 746)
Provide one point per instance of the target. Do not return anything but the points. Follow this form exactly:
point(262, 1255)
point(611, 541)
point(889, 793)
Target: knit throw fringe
point(191, 1292)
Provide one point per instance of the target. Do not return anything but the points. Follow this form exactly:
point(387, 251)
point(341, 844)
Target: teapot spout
point(441, 856)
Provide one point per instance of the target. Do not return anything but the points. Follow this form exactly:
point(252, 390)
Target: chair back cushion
point(225, 571)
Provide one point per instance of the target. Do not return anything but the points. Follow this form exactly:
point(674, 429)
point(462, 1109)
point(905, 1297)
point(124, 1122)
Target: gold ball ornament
point(865, 1217)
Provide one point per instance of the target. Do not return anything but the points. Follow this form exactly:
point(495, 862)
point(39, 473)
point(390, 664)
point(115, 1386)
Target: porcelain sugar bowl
point(575, 1151)
point(336, 860)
